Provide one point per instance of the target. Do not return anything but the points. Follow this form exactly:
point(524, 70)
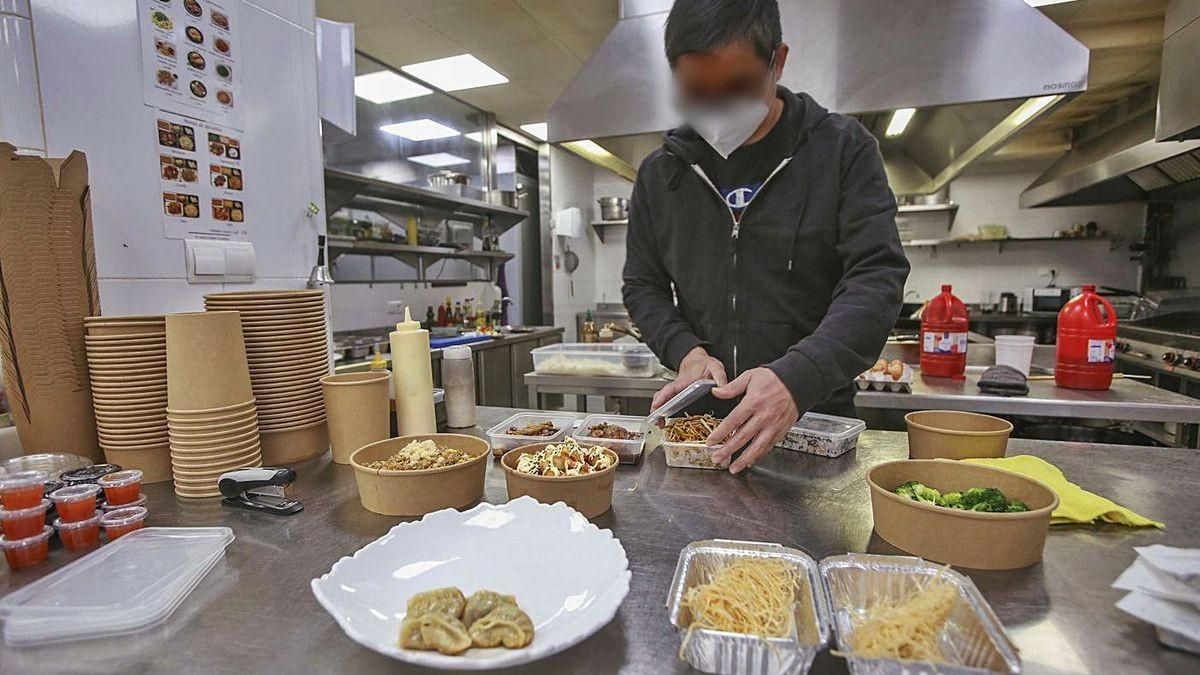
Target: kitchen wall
point(989, 194)
point(1186, 248)
point(95, 104)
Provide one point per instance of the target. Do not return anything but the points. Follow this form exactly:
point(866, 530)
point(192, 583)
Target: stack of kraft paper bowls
point(211, 415)
point(287, 347)
point(127, 364)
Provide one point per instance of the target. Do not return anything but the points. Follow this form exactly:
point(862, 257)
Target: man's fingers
point(673, 387)
point(716, 371)
point(761, 446)
point(740, 415)
point(735, 388)
point(740, 438)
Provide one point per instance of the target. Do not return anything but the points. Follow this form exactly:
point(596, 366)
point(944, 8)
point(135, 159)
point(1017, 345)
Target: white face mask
point(727, 126)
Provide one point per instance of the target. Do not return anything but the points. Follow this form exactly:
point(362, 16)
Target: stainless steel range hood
point(853, 56)
point(1178, 95)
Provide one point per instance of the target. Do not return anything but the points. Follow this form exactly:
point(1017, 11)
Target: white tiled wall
point(1185, 250)
point(571, 186)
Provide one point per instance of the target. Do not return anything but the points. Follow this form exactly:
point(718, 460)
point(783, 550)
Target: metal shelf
point(420, 258)
point(342, 187)
point(1113, 243)
point(600, 225)
point(927, 208)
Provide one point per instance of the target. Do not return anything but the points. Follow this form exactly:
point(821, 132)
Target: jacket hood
point(801, 111)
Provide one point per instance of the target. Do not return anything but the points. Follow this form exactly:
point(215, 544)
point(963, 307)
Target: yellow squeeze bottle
point(412, 378)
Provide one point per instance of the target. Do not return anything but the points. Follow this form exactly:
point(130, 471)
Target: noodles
point(690, 428)
point(908, 629)
point(750, 595)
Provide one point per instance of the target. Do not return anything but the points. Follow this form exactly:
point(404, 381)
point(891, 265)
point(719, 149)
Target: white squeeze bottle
point(412, 378)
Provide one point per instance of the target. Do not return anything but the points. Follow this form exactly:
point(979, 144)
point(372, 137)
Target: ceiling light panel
point(439, 159)
point(419, 130)
point(455, 73)
point(385, 86)
point(899, 122)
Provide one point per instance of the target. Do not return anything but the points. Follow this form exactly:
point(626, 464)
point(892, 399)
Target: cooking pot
point(613, 208)
point(447, 178)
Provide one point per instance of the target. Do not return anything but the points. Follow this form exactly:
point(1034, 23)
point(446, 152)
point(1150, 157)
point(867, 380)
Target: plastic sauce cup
point(140, 501)
point(121, 487)
point(79, 535)
point(22, 489)
point(22, 553)
point(24, 523)
point(75, 503)
point(123, 521)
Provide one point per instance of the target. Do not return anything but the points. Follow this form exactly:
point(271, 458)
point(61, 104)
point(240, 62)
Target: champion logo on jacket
point(739, 197)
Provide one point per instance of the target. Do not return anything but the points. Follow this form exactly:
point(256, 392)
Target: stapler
point(260, 489)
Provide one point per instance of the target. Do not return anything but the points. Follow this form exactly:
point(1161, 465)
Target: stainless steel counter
point(255, 613)
point(1127, 400)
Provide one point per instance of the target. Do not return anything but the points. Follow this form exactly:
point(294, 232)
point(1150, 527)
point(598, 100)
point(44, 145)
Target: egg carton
point(877, 381)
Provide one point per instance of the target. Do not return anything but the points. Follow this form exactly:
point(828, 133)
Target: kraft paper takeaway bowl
point(589, 494)
point(986, 541)
point(951, 434)
point(415, 493)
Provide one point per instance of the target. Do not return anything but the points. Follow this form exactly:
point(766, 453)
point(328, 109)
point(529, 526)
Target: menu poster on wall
point(190, 53)
point(200, 178)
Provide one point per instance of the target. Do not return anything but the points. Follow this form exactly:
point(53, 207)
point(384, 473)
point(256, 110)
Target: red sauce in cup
point(80, 535)
point(123, 521)
point(75, 502)
point(24, 523)
point(22, 553)
point(121, 487)
point(22, 490)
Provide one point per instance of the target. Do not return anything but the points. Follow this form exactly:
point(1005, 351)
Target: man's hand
point(697, 365)
point(765, 414)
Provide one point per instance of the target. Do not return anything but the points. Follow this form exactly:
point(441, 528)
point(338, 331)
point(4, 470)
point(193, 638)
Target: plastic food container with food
point(629, 451)
point(128, 585)
point(589, 494)
point(22, 489)
point(140, 501)
point(24, 523)
point(500, 438)
point(29, 551)
point(121, 487)
point(730, 653)
point(972, 638)
point(972, 539)
point(79, 535)
point(417, 492)
point(616, 359)
point(824, 435)
point(75, 503)
point(121, 522)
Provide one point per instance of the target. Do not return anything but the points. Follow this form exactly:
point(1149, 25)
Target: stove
point(1168, 345)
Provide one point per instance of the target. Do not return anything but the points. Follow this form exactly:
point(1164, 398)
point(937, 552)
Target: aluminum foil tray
point(737, 654)
point(972, 640)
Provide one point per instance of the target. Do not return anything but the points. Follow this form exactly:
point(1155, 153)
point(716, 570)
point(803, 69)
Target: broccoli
point(918, 491)
point(990, 498)
point(981, 506)
point(1017, 506)
point(950, 500)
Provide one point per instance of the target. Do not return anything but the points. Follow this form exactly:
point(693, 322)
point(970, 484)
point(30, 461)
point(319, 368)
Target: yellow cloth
point(1075, 505)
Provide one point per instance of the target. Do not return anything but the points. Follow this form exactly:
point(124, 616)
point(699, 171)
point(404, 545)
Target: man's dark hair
point(698, 26)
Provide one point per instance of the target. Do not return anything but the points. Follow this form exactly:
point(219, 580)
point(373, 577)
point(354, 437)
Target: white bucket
point(1015, 351)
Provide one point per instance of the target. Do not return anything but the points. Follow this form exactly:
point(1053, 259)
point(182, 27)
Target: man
point(762, 249)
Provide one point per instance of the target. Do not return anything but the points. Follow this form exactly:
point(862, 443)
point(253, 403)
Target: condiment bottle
point(412, 378)
point(458, 378)
point(1086, 347)
point(944, 336)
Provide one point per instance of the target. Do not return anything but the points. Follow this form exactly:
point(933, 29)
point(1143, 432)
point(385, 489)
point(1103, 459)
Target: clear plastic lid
point(140, 501)
point(127, 585)
point(5, 542)
point(125, 515)
point(828, 426)
point(120, 478)
point(87, 474)
point(94, 521)
point(22, 479)
point(5, 514)
point(74, 493)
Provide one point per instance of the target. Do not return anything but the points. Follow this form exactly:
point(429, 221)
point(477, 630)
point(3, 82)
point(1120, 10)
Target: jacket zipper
point(733, 245)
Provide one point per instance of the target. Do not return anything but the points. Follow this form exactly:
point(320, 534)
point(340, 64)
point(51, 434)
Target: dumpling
point(448, 600)
point(482, 602)
point(410, 633)
point(444, 633)
point(506, 625)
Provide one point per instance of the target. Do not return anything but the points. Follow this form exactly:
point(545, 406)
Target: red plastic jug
point(1087, 334)
point(944, 336)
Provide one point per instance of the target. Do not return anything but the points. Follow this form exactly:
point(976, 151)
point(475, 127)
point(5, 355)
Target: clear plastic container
point(79, 535)
point(120, 522)
point(617, 359)
point(128, 585)
point(824, 435)
point(24, 523)
point(140, 501)
point(29, 551)
point(75, 503)
point(628, 451)
point(22, 489)
point(692, 456)
point(121, 487)
point(500, 438)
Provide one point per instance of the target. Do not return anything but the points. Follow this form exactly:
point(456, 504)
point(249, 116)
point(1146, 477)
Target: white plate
point(523, 548)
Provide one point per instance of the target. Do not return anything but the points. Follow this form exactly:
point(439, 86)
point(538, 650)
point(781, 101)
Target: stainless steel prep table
point(582, 386)
point(1127, 400)
point(255, 613)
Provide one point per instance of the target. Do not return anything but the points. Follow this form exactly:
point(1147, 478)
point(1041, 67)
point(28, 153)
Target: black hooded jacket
point(808, 284)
